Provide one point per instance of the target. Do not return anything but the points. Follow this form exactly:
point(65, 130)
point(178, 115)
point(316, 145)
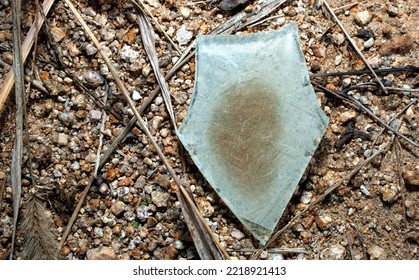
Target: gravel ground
point(131, 211)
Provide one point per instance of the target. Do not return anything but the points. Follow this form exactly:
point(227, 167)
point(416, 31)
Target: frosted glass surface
point(253, 122)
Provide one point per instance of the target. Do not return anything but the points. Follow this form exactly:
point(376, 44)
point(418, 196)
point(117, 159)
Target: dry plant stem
point(348, 6)
point(272, 250)
point(147, 11)
point(26, 46)
point(16, 166)
point(102, 125)
point(342, 181)
point(349, 241)
point(354, 45)
point(361, 72)
point(144, 127)
point(397, 150)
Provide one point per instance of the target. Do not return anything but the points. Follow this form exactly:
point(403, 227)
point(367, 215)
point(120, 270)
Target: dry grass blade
point(26, 46)
point(20, 114)
point(36, 228)
point(147, 36)
point(199, 229)
point(161, 29)
point(354, 45)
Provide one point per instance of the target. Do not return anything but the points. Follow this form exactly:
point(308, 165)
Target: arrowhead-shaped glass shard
point(253, 123)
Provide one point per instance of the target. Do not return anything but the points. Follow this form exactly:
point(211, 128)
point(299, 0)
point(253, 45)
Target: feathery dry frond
point(39, 241)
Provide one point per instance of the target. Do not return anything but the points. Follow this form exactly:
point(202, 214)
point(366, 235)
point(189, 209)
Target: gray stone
point(62, 139)
point(95, 115)
point(237, 234)
point(93, 78)
point(306, 197)
point(107, 34)
point(57, 173)
point(98, 232)
point(160, 198)
point(75, 166)
point(128, 54)
point(91, 50)
point(143, 212)
point(183, 35)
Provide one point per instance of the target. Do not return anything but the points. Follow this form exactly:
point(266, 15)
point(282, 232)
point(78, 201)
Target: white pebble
point(136, 95)
point(369, 43)
point(364, 190)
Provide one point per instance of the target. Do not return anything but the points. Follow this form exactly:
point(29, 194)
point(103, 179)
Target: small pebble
point(57, 33)
point(93, 78)
point(128, 54)
point(183, 35)
point(338, 59)
point(75, 166)
point(101, 253)
point(136, 95)
point(95, 115)
point(334, 252)
point(142, 212)
point(369, 43)
point(118, 207)
point(103, 188)
point(364, 190)
point(62, 139)
point(363, 18)
point(204, 206)
point(323, 221)
point(91, 50)
point(376, 253)
point(338, 39)
point(389, 193)
point(392, 10)
point(237, 234)
point(57, 174)
point(185, 12)
point(306, 197)
point(347, 116)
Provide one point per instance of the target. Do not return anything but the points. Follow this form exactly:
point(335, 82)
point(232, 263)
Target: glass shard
point(253, 122)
